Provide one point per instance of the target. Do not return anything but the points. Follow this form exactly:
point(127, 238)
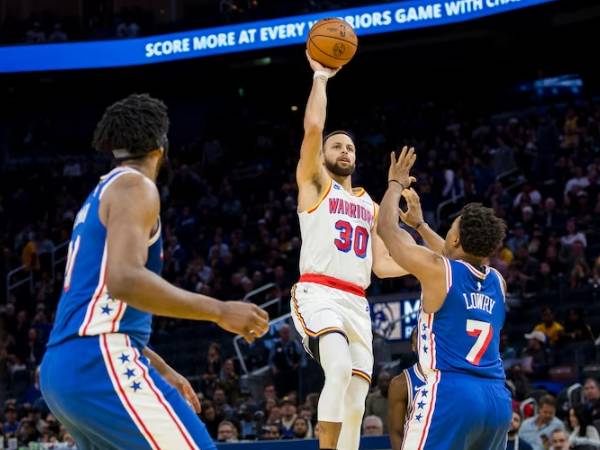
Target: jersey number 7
point(484, 332)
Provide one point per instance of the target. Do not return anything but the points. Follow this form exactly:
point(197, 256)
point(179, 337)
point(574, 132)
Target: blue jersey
point(415, 379)
point(464, 335)
point(86, 308)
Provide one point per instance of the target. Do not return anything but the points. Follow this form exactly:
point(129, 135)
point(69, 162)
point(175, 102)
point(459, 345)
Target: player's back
point(464, 335)
point(86, 307)
point(336, 235)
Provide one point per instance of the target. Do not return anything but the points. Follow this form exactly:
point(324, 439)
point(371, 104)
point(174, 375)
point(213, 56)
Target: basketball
point(332, 42)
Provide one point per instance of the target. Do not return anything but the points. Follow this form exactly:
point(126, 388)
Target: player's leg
point(335, 359)
point(318, 320)
point(358, 326)
point(117, 401)
point(496, 400)
point(354, 409)
point(438, 420)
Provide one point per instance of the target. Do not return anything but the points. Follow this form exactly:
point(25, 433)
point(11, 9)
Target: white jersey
point(336, 236)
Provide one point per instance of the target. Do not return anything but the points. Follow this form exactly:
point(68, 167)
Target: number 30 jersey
point(464, 335)
point(336, 236)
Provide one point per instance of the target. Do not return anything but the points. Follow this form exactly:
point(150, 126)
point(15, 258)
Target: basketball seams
point(327, 54)
point(354, 44)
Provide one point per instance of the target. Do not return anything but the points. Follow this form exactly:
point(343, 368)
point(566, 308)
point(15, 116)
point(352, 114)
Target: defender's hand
point(413, 215)
point(400, 167)
point(245, 319)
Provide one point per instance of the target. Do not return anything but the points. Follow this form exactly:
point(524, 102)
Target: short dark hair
point(137, 124)
point(481, 232)
point(335, 132)
point(547, 400)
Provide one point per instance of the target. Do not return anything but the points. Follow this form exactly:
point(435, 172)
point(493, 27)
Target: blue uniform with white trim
point(414, 381)
point(94, 377)
point(464, 405)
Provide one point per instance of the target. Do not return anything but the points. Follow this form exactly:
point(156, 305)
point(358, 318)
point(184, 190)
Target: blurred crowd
point(537, 168)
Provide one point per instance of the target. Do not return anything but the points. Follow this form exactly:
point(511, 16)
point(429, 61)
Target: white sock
point(354, 409)
point(336, 361)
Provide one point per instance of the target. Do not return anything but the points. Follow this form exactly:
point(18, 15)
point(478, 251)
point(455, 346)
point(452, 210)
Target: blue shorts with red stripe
point(107, 396)
point(454, 411)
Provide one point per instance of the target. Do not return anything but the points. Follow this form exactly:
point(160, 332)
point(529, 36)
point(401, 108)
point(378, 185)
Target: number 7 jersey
point(464, 335)
point(336, 235)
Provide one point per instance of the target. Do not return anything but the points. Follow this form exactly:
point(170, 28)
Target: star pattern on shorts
point(106, 309)
point(130, 373)
point(124, 358)
point(136, 386)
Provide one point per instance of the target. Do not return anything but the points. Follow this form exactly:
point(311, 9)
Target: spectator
point(11, 424)
point(284, 360)
point(559, 440)
point(537, 430)
point(229, 381)
point(213, 368)
point(300, 428)
point(248, 424)
point(58, 35)
point(536, 359)
point(288, 417)
point(576, 329)
point(35, 35)
point(306, 413)
point(573, 235)
point(514, 441)
point(210, 418)
point(377, 402)
point(270, 433)
point(583, 432)
point(227, 432)
point(591, 397)
point(220, 403)
point(372, 426)
point(550, 327)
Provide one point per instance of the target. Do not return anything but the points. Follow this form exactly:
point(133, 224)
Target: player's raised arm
point(413, 217)
point(398, 400)
point(310, 172)
point(424, 264)
point(129, 225)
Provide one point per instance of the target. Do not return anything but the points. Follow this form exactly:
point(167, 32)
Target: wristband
point(396, 181)
point(322, 73)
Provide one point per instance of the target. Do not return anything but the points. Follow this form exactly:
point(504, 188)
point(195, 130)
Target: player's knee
point(339, 372)
point(355, 406)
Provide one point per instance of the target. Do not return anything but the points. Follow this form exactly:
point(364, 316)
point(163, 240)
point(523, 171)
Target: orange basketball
point(332, 42)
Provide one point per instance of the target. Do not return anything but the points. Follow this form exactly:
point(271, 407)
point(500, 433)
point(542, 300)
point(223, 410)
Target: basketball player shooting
point(339, 249)
point(464, 404)
point(98, 376)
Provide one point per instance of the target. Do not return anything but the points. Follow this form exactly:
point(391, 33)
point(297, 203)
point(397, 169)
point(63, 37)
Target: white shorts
point(318, 310)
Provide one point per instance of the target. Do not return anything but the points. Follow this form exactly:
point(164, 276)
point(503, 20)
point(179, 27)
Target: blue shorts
point(459, 412)
point(107, 396)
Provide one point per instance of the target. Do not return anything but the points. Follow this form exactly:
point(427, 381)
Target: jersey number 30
point(359, 236)
point(483, 331)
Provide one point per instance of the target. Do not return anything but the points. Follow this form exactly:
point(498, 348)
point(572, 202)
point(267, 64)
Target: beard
point(338, 170)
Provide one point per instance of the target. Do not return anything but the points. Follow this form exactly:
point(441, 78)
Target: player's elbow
point(313, 126)
point(120, 282)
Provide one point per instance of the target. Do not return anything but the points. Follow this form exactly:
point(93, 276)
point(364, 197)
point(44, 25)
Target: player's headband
point(122, 154)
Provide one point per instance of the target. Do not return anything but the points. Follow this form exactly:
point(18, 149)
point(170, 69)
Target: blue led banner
point(366, 20)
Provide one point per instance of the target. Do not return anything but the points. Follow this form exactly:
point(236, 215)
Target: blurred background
point(503, 109)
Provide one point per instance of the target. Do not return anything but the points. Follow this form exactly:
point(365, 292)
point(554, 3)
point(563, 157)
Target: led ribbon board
point(374, 19)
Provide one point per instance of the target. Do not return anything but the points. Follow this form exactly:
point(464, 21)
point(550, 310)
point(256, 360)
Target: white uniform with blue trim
point(94, 377)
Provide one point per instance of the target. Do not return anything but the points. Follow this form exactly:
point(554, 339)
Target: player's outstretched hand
point(317, 67)
point(245, 319)
point(400, 167)
point(184, 387)
point(413, 215)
